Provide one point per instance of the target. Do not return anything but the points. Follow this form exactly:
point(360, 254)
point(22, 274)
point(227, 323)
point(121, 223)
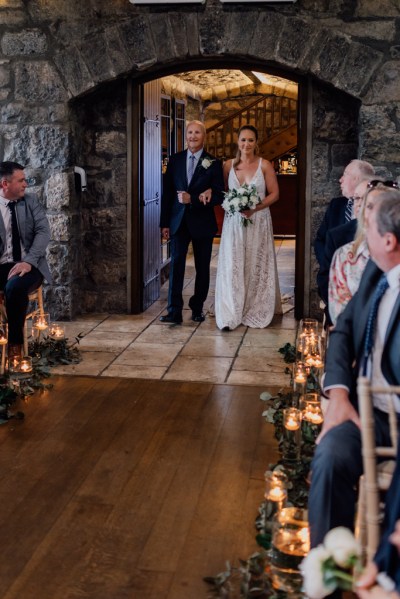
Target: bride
point(247, 288)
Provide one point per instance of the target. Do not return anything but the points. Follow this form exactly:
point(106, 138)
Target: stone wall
point(54, 55)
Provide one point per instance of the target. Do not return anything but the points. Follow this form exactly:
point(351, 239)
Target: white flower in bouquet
point(342, 545)
point(243, 198)
point(312, 570)
point(331, 566)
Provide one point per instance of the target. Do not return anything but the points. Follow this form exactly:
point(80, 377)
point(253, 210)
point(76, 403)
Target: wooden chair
point(377, 477)
point(35, 296)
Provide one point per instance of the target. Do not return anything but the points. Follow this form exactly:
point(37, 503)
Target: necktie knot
point(379, 292)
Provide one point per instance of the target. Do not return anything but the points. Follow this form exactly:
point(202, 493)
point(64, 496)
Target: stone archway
point(67, 63)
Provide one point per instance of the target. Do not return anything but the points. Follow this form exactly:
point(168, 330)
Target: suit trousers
point(16, 291)
point(202, 250)
point(335, 471)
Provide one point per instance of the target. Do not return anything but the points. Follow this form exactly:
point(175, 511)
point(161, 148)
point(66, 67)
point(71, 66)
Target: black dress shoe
point(171, 319)
point(198, 316)
point(226, 329)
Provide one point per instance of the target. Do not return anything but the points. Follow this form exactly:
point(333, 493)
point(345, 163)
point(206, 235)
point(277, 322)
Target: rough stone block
point(136, 35)
point(294, 40)
point(341, 154)
point(74, 71)
point(38, 83)
point(380, 138)
point(378, 8)
point(178, 27)
point(359, 65)
point(94, 51)
point(28, 42)
point(60, 300)
point(164, 40)
point(110, 142)
point(60, 227)
point(58, 191)
point(386, 87)
point(116, 51)
point(213, 28)
point(266, 31)
point(333, 51)
point(236, 40)
point(38, 147)
point(14, 17)
point(58, 259)
point(4, 73)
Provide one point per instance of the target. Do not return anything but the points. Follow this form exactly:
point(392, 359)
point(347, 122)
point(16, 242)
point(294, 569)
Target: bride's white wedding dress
point(247, 288)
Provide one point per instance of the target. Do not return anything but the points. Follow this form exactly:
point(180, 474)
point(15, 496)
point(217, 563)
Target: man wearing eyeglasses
point(340, 210)
point(24, 236)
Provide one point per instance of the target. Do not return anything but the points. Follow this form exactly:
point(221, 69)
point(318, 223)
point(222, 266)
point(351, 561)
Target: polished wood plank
point(122, 489)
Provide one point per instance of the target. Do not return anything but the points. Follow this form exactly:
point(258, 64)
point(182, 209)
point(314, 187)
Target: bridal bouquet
point(243, 198)
point(332, 565)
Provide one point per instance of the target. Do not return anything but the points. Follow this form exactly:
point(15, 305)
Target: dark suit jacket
point(346, 341)
point(335, 238)
point(34, 231)
point(200, 219)
point(334, 216)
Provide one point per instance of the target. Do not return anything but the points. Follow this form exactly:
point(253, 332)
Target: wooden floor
point(120, 488)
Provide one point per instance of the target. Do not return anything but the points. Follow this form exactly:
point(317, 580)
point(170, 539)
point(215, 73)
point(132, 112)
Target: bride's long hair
point(238, 154)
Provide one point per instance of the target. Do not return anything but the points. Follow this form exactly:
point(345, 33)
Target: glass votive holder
point(56, 331)
point(308, 326)
point(290, 544)
point(292, 442)
point(276, 487)
point(40, 322)
point(20, 367)
point(300, 375)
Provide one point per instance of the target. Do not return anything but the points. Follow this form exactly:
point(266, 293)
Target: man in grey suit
point(337, 464)
point(24, 236)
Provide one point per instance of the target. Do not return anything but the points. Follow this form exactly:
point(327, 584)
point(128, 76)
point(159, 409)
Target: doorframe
point(134, 175)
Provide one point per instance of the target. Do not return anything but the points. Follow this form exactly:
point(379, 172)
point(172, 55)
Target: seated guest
point(24, 236)
point(349, 260)
point(336, 238)
point(340, 210)
point(359, 343)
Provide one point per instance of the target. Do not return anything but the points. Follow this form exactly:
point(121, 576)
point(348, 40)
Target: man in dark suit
point(187, 215)
point(337, 237)
point(24, 236)
point(337, 463)
point(339, 210)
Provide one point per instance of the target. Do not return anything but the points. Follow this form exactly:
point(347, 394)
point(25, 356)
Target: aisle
point(140, 346)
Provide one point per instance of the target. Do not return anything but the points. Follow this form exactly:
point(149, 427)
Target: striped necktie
point(192, 158)
point(379, 292)
point(16, 240)
point(348, 213)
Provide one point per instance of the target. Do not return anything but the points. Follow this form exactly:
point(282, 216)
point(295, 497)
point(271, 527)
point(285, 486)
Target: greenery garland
point(252, 576)
point(45, 354)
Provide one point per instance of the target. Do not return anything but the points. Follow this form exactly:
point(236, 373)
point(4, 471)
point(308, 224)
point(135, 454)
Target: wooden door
point(151, 196)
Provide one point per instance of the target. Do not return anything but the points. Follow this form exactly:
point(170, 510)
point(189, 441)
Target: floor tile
point(140, 372)
point(166, 333)
point(188, 368)
point(149, 354)
point(107, 340)
point(211, 345)
point(268, 337)
point(92, 364)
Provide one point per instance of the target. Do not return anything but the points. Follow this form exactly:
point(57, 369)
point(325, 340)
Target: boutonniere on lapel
point(206, 163)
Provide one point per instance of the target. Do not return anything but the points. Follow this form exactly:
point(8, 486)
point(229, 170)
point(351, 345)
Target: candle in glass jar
point(3, 340)
point(276, 494)
point(41, 325)
point(313, 417)
point(292, 424)
point(56, 331)
point(26, 365)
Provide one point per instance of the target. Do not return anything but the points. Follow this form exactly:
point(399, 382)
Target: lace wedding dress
point(247, 288)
